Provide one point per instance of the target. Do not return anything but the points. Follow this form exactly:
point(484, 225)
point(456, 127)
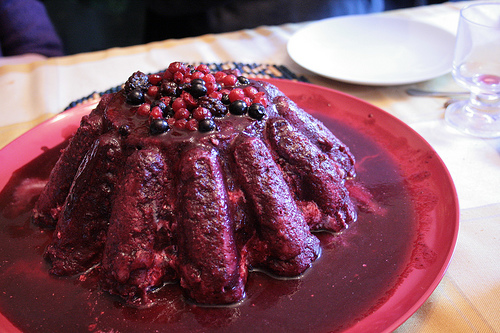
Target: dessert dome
point(194, 177)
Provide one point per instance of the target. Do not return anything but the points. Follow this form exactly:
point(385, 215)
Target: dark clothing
point(25, 27)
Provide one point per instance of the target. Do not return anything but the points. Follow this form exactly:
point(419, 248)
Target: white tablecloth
point(467, 300)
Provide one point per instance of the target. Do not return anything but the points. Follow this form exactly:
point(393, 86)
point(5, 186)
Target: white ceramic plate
point(373, 49)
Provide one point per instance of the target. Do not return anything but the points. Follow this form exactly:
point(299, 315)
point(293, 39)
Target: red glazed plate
point(418, 176)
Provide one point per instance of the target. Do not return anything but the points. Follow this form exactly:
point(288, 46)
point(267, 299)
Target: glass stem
point(487, 102)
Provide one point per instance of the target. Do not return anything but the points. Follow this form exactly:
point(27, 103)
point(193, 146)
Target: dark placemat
point(254, 71)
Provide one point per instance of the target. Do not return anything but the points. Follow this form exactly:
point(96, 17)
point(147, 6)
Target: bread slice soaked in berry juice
point(200, 177)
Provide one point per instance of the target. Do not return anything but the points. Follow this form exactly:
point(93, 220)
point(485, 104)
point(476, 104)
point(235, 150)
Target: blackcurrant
point(198, 81)
point(168, 112)
point(238, 107)
point(158, 126)
point(225, 99)
point(198, 90)
point(256, 111)
point(135, 97)
point(243, 80)
point(124, 130)
point(159, 104)
point(206, 125)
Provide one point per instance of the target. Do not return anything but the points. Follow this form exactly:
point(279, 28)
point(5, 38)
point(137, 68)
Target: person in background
point(25, 28)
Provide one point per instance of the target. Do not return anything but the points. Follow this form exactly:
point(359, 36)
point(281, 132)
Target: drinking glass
point(476, 65)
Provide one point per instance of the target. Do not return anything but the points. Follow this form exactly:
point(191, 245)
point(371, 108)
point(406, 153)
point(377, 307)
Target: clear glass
point(476, 65)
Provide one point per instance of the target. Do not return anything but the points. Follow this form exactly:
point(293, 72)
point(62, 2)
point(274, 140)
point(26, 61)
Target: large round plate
point(430, 188)
point(373, 50)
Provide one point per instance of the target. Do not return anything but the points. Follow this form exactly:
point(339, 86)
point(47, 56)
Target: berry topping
point(238, 107)
point(166, 100)
point(124, 130)
point(190, 101)
point(250, 91)
point(236, 94)
point(197, 76)
point(178, 77)
point(169, 88)
point(212, 87)
point(247, 100)
point(206, 125)
point(191, 98)
point(167, 75)
point(155, 79)
point(225, 99)
point(261, 100)
point(168, 112)
point(160, 103)
point(138, 80)
point(256, 111)
point(182, 113)
point(135, 97)
point(144, 109)
point(192, 125)
point(177, 67)
point(201, 113)
point(153, 91)
point(171, 121)
point(219, 76)
point(158, 126)
point(215, 106)
point(209, 78)
point(243, 80)
point(156, 112)
point(198, 89)
point(178, 103)
point(229, 80)
point(203, 68)
point(198, 81)
point(217, 95)
point(184, 86)
point(180, 123)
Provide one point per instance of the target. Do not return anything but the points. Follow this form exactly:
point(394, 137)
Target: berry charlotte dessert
point(194, 177)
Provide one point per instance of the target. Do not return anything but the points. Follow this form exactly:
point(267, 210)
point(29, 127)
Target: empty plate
point(373, 49)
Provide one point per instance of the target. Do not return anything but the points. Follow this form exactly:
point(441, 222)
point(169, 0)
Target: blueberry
point(238, 107)
point(243, 80)
point(158, 126)
point(168, 112)
point(198, 90)
point(124, 130)
point(198, 81)
point(225, 99)
point(159, 104)
point(206, 125)
point(135, 97)
point(256, 111)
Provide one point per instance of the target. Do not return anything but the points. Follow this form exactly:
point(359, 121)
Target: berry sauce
point(357, 271)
